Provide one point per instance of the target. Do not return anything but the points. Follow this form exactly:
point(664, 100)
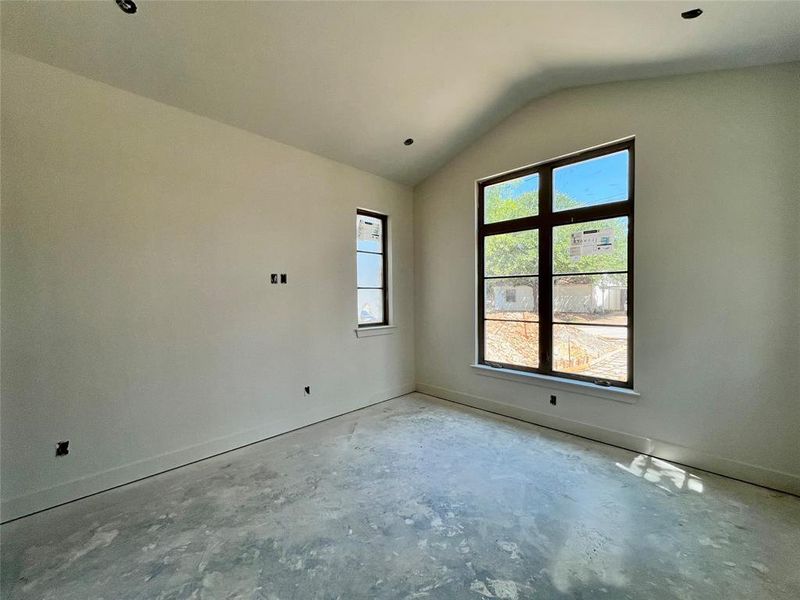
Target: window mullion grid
point(524, 275)
point(545, 271)
point(385, 261)
point(545, 221)
point(481, 281)
point(509, 320)
point(383, 253)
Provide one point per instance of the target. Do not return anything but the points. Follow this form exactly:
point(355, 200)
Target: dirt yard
point(595, 351)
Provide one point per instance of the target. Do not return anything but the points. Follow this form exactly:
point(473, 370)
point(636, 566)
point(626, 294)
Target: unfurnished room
point(399, 300)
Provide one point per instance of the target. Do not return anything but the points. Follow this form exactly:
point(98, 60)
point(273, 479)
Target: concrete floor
point(414, 498)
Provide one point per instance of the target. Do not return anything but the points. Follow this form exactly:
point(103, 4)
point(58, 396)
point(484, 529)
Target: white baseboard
point(94, 483)
point(778, 480)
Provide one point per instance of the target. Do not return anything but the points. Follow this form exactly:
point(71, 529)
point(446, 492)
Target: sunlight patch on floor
point(665, 475)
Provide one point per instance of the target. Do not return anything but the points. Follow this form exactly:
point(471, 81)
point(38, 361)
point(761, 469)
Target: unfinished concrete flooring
point(414, 498)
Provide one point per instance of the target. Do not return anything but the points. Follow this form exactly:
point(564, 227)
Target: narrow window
point(371, 271)
point(555, 267)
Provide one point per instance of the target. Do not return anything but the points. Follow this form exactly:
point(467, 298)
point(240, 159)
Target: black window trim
point(384, 252)
point(545, 221)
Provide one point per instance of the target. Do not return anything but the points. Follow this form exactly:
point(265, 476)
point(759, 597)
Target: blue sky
point(370, 267)
point(591, 182)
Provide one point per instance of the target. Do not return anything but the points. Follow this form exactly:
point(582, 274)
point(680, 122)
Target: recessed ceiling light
point(692, 14)
point(127, 6)
point(408, 142)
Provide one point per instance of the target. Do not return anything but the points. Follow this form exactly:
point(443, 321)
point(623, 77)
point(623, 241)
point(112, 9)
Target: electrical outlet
point(62, 448)
point(553, 400)
point(307, 390)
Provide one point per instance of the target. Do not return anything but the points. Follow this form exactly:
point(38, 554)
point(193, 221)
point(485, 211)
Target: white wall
point(717, 281)
point(137, 317)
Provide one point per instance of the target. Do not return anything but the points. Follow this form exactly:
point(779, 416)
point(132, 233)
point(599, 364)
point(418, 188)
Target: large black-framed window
point(372, 286)
point(555, 267)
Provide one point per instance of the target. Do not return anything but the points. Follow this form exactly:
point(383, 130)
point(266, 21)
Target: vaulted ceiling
point(352, 80)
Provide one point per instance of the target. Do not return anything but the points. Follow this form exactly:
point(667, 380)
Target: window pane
point(511, 342)
point(516, 298)
point(511, 199)
point(600, 352)
point(591, 298)
point(369, 234)
point(369, 269)
point(370, 306)
point(597, 246)
point(512, 253)
point(595, 181)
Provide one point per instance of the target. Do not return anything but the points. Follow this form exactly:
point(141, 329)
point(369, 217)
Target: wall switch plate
point(273, 278)
point(283, 277)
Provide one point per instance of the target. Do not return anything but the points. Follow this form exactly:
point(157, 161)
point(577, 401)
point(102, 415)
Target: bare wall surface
point(137, 316)
point(717, 287)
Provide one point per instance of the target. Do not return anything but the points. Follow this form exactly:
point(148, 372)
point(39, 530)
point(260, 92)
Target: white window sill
point(373, 331)
point(568, 385)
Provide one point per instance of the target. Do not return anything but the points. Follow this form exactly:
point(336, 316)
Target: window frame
point(385, 260)
point(545, 221)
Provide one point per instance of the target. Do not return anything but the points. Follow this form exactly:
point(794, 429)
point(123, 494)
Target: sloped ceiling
point(352, 80)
